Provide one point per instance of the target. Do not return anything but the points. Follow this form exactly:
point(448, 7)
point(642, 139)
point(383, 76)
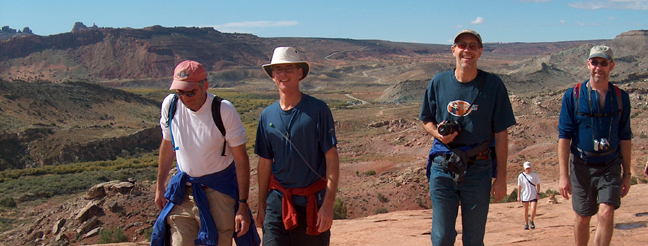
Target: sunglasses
point(596, 63)
point(283, 69)
point(464, 45)
point(186, 93)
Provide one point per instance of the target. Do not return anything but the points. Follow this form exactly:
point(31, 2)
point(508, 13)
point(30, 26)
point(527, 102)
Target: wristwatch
point(242, 200)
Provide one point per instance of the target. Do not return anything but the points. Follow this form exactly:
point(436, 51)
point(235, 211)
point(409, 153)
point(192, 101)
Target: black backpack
point(215, 108)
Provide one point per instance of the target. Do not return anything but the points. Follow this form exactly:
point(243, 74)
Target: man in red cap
point(206, 202)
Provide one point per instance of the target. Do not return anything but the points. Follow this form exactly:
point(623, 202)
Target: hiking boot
point(532, 225)
point(526, 227)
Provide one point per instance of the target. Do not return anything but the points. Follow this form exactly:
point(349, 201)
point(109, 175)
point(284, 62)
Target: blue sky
point(420, 21)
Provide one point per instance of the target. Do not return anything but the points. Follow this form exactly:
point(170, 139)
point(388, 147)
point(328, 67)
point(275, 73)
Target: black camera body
point(449, 127)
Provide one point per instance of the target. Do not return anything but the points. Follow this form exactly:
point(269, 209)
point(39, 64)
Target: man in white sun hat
point(298, 160)
point(528, 190)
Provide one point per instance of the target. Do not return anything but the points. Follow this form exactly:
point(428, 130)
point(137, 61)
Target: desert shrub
point(114, 235)
point(339, 209)
point(381, 210)
point(420, 203)
point(382, 197)
point(633, 180)
point(370, 173)
point(8, 202)
point(147, 233)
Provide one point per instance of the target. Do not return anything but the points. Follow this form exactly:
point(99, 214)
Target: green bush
point(8, 202)
point(115, 235)
point(370, 173)
point(382, 197)
point(381, 210)
point(339, 209)
point(420, 203)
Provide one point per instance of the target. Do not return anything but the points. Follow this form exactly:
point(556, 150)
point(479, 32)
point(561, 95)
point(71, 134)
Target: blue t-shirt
point(582, 130)
point(310, 128)
point(448, 99)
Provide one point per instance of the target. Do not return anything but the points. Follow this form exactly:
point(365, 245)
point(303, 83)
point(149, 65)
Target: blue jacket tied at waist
point(224, 182)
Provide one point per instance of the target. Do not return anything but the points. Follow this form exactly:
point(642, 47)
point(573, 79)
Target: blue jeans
point(473, 195)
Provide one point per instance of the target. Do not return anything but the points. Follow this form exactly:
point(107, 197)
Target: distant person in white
point(528, 188)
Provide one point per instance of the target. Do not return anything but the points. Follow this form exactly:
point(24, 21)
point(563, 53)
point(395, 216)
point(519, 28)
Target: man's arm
point(165, 162)
point(264, 170)
point(431, 128)
point(498, 190)
point(564, 184)
point(242, 161)
point(325, 214)
point(626, 153)
point(520, 193)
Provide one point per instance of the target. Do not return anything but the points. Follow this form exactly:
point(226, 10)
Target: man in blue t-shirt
point(594, 129)
point(298, 159)
point(459, 163)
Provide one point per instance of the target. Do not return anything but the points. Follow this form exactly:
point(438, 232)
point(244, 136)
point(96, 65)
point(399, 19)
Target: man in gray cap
point(298, 160)
point(464, 109)
point(594, 130)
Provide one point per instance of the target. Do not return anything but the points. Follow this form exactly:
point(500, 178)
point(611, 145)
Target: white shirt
point(528, 191)
point(198, 139)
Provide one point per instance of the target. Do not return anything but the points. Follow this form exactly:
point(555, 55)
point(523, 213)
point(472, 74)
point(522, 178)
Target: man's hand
point(324, 218)
point(625, 186)
point(498, 190)
point(160, 201)
point(564, 185)
point(242, 220)
point(260, 216)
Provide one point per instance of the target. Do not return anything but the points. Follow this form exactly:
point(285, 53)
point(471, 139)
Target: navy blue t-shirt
point(310, 128)
point(582, 130)
point(448, 99)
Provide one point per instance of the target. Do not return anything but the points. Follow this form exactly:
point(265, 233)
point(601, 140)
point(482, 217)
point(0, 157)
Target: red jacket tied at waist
point(289, 214)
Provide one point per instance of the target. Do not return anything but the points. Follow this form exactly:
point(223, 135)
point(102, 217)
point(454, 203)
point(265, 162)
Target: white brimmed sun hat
point(286, 55)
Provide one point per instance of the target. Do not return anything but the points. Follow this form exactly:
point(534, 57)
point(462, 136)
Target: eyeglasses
point(186, 93)
point(463, 45)
point(596, 63)
point(283, 69)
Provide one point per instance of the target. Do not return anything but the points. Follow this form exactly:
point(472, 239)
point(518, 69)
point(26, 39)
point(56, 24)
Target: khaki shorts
point(184, 220)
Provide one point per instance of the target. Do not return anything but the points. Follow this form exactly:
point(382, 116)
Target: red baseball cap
point(187, 75)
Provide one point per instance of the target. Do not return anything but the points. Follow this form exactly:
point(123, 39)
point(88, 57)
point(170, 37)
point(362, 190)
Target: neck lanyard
point(591, 105)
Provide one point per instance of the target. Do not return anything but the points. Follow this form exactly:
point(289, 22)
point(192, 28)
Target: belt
point(578, 160)
point(484, 155)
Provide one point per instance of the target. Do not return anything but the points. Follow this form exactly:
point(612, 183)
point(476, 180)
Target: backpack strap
point(618, 98)
point(218, 120)
point(216, 116)
point(172, 109)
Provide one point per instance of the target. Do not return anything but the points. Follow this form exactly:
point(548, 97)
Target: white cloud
point(246, 26)
point(611, 4)
point(459, 27)
point(562, 22)
point(479, 20)
point(536, 1)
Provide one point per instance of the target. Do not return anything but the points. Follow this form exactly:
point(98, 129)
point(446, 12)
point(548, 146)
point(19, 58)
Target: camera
point(601, 145)
point(449, 127)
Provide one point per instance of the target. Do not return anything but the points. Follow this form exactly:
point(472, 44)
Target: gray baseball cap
point(601, 51)
point(468, 31)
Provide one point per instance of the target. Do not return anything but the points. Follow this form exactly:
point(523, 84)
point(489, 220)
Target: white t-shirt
point(197, 137)
point(528, 191)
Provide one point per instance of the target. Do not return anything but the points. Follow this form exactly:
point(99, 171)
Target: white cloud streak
point(249, 26)
point(479, 20)
point(611, 4)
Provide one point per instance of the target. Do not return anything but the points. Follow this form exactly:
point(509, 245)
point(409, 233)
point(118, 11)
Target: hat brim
point(184, 85)
point(304, 65)
point(604, 56)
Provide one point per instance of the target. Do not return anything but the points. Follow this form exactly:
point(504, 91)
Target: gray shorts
point(593, 185)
